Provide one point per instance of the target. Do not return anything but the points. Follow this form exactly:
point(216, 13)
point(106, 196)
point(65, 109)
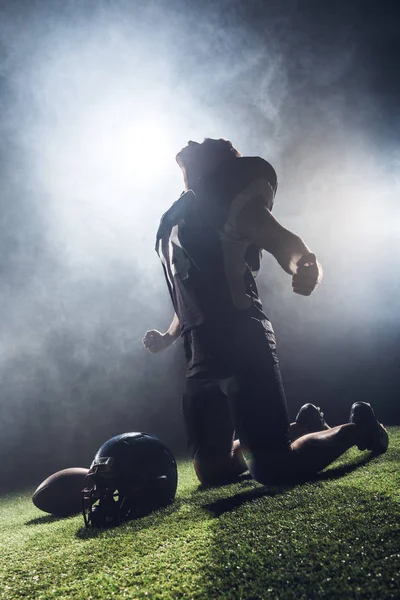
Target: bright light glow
point(129, 146)
point(107, 174)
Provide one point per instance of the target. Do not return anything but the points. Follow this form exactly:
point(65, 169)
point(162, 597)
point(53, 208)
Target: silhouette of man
point(210, 242)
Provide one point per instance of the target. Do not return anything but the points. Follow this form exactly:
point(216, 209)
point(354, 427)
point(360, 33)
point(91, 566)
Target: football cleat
point(131, 475)
point(373, 436)
point(311, 418)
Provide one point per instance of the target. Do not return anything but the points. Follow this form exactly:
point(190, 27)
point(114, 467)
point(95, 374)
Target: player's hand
point(307, 276)
point(155, 341)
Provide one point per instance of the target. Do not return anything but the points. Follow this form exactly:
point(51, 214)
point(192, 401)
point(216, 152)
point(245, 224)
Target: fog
point(96, 98)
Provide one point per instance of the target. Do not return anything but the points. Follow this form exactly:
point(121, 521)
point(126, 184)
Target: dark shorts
point(237, 392)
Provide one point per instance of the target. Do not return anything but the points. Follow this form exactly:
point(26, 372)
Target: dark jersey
point(208, 266)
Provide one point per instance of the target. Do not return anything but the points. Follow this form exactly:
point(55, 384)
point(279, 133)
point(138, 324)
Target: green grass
point(336, 537)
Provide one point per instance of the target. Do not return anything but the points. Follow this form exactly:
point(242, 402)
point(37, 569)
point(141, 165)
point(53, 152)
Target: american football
point(60, 494)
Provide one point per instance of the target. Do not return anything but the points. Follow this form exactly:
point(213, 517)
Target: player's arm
point(155, 341)
point(256, 223)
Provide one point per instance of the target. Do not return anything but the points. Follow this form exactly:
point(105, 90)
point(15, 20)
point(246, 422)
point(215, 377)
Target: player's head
point(196, 158)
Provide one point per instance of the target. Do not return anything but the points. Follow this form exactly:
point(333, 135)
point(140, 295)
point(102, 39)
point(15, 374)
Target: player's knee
point(216, 471)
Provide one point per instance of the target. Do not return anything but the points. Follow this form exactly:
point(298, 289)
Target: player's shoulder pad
point(260, 167)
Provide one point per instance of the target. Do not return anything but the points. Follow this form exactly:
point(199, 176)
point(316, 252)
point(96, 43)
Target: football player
point(210, 242)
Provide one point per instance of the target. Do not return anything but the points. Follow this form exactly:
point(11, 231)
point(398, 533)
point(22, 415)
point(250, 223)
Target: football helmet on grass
point(131, 475)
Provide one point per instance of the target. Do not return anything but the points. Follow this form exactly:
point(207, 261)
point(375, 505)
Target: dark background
point(86, 89)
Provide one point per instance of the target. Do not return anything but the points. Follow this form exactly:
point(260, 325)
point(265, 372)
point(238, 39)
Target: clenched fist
point(155, 341)
point(307, 276)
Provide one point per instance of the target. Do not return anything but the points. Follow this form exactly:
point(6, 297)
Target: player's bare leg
point(315, 451)
point(309, 419)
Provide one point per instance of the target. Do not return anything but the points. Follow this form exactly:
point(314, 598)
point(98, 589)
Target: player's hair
point(214, 151)
point(225, 146)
